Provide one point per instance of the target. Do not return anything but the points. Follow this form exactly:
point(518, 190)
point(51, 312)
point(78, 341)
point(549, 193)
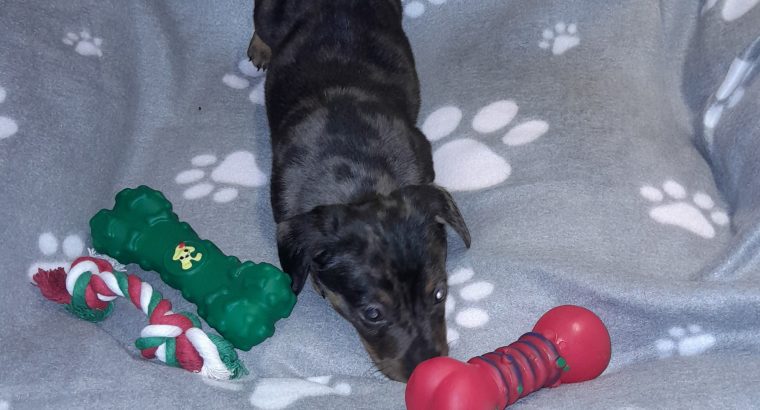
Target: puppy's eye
point(321, 259)
point(372, 314)
point(439, 294)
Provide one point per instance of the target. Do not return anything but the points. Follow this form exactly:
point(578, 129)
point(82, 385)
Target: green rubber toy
point(242, 301)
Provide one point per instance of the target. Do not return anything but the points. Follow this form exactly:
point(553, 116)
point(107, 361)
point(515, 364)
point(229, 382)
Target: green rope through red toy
point(176, 339)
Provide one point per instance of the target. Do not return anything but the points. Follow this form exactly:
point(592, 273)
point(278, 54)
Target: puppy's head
point(382, 266)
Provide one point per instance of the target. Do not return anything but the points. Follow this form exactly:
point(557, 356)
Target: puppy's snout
point(419, 352)
point(400, 368)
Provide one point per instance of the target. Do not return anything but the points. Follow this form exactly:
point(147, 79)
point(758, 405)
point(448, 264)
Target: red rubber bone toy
point(569, 344)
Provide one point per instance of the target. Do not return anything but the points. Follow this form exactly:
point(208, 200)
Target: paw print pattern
point(732, 9)
point(238, 169)
point(465, 164)
point(84, 43)
point(279, 393)
point(740, 75)
point(685, 342)
point(416, 8)
point(469, 292)
point(697, 215)
point(237, 82)
point(561, 38)
point(8, 126)
point(72, 247)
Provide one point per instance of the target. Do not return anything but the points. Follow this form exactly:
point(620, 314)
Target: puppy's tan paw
point(259, 53)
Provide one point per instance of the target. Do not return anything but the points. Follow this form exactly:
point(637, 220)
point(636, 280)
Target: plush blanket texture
point(604, 153)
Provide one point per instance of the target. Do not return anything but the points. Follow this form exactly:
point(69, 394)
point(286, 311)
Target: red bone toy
point(569, 344)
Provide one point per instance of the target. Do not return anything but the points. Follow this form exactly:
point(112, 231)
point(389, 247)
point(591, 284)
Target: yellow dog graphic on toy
point(184, 254)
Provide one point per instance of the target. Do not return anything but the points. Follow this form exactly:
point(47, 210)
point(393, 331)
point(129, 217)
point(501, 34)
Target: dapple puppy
point(352, 176)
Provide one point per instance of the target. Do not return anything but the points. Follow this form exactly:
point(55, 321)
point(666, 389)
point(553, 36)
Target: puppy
point(352, 176)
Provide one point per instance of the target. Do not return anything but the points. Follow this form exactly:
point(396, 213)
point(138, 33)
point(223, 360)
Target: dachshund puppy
point(352, 176)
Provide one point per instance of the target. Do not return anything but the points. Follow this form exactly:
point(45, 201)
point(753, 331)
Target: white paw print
point(468, 292)
point(72, 247)
point(240, 83)
point(8, 126)
point(465, 164)
point(674, 208)
point(279, 393)
point(561, 38)
point(685, 342)
point(84, 43)
point(732, 9)
point(415, 8)
point(238, 168)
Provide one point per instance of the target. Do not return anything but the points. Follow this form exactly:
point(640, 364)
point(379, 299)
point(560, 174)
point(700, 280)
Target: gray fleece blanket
point(603, 153)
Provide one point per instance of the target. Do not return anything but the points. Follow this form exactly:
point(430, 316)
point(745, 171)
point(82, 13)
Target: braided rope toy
point(175, 339)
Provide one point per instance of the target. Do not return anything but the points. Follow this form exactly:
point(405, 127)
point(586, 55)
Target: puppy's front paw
point(259, 53)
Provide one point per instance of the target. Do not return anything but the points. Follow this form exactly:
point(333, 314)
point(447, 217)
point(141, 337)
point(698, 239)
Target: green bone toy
point(242, 301)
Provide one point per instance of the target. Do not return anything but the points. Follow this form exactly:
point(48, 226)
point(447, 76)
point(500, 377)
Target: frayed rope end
point(229, 356)
point(52, 285)
point(114, 263)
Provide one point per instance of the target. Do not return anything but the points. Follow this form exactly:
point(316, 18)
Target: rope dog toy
point(175, 339)
point(568, 344)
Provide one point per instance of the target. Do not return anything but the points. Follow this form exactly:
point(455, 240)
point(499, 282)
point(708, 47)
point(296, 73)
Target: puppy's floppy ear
point(292, 248)
point(303, 242)
point(439, 204)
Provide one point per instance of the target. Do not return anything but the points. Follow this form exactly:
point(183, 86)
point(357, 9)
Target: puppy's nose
point(420, 352)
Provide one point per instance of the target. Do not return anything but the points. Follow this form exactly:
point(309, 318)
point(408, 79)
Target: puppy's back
point(334, 44)
point(342, 101)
